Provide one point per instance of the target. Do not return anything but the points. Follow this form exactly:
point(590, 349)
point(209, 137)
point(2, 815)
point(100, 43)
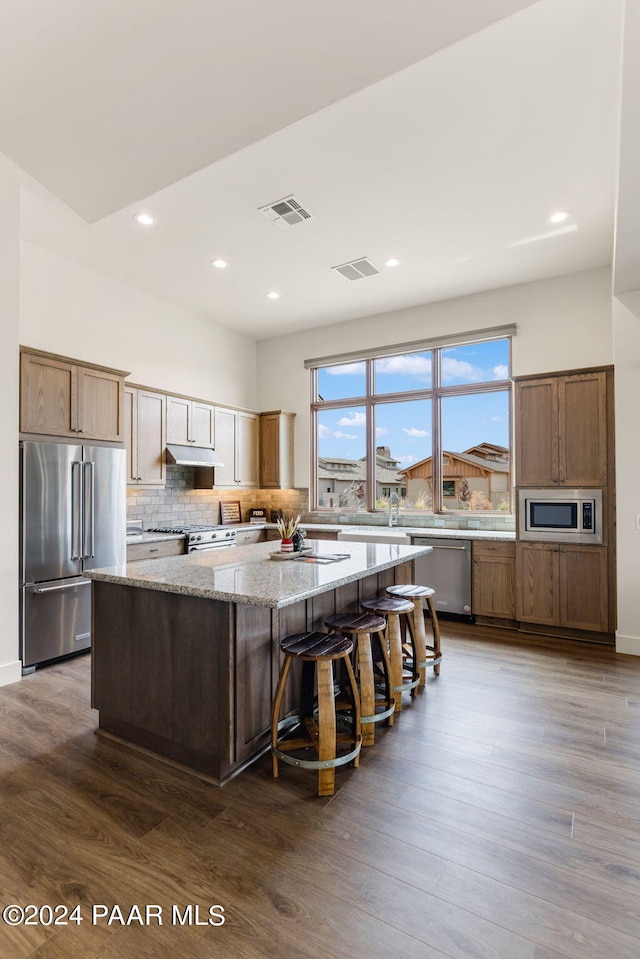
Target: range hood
point(191, 456)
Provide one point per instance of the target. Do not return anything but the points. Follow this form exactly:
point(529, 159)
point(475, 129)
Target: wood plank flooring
point(498, 819)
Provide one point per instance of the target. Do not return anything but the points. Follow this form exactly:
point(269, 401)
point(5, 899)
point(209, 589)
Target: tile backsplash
point(179, 503)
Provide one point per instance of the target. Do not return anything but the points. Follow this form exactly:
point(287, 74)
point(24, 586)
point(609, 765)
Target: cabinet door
point(225, 433)
point(48, 396)
point(270, 450)
point(178, 420)
point(100, 404)
point(537, 583)
point(537, 432)
point(276, 450)
point(494, 580)
point(202, 424)
point(248, 449)
point(584, 587)
point(582, 410)
point(151, 438)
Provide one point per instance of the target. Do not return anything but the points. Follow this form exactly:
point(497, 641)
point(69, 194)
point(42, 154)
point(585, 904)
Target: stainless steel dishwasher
point(447, 570)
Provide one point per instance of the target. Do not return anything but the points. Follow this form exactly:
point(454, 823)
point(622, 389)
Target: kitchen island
point(186, 650)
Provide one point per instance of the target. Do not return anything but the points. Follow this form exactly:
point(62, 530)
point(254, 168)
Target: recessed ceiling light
point(273, 295)
point(392, 261)
point(144, 219)
point(559, 216)
point(219, 264)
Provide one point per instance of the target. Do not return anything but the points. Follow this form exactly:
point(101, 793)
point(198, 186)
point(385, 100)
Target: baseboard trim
point(10, 673)
point(628, 644)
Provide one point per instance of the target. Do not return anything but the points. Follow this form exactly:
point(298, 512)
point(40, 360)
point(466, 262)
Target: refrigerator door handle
point(76, 510)
point(54, 589)
point(89, 510)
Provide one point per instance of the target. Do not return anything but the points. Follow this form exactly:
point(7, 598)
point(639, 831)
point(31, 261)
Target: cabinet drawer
point(246, 536)
point(171, 547)
point(502, 550)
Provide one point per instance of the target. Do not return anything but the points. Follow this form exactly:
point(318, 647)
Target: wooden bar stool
point(392, 608)
point(318, 652)
point(428, 655)
point(370, 647)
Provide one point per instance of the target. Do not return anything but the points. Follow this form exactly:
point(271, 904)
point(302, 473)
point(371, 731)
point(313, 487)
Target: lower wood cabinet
point(494, 580)
point(563, 585)
point(167, 547)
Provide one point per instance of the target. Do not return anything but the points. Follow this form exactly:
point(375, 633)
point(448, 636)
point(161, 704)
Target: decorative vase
point(286, 546)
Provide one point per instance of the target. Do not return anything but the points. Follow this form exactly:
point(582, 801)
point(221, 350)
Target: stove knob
point(198, 537)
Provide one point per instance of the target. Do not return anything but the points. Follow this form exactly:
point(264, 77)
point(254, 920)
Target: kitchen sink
point(375, 534)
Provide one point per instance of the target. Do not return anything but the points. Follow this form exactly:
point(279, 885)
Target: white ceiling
point(400, 141)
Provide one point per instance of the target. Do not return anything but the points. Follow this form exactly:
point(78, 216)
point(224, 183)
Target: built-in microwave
point(561, 516)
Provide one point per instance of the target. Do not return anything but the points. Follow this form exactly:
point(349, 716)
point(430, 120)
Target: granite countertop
point(249, 576)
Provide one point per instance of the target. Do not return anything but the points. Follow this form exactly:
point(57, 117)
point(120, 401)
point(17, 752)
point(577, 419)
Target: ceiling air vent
point(285, 213)
point(357, 269)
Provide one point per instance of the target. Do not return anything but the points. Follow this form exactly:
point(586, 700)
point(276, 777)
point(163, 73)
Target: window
point(428, 429)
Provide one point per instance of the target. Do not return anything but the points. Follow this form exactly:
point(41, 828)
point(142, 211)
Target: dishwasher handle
point(425, 541)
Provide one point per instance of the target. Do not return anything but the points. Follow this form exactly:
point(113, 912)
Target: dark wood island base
point(190, 679)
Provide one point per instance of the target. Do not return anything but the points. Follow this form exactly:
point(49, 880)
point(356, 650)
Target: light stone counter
point(246, 574)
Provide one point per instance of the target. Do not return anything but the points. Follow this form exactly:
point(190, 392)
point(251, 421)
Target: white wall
point(627, 360)
point(563, 323)
point(9, 314)
point(69, 309)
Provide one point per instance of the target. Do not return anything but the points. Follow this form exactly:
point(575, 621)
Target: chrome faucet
point(393, 520)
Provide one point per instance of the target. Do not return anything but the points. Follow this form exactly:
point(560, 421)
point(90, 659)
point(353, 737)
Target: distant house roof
point(356, 471)
point(483, 465)
point(489, 451)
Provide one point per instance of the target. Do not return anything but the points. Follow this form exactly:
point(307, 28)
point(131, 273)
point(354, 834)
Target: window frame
point(436, 394)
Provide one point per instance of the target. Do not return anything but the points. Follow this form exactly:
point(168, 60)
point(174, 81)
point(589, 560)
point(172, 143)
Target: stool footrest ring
point(317, 763)
point(406, 686)
point(378, 717)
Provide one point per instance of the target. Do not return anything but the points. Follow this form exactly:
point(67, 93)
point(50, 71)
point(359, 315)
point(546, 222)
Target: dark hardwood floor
point(499, 819)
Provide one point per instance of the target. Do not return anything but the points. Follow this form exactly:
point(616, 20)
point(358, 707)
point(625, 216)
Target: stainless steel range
point(201, 537)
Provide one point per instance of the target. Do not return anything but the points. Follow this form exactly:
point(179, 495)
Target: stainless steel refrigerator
point(72, 518)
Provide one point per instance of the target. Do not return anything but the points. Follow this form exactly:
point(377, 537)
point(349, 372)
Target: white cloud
point(500, 372)
point(380, 430)
point(412, 431)
point(323, 431)
point(497, 419)
point(358, 419)
point(461, 370)
point(410, 365)
point(344, 436)
point(406, 459)
point(347, 369)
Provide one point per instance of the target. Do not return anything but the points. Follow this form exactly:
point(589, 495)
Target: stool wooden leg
point(357, 729)
point(326, 728)
point(367, 688)
point(275, 711)
point(389, 694)
point(435, 628)
point(395, 651)
point(420, 639)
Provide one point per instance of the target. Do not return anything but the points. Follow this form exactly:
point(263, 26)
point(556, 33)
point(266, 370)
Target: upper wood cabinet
point(237, 444)
point(276, 450)
point(61, 397)
point(494, 580)
point(145, 437)
point(190, 422)
point(561, 430)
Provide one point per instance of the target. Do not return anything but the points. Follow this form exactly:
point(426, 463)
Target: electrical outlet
point(473, 524)
point(343, 519)
point(637, 520)
point(439, 523)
